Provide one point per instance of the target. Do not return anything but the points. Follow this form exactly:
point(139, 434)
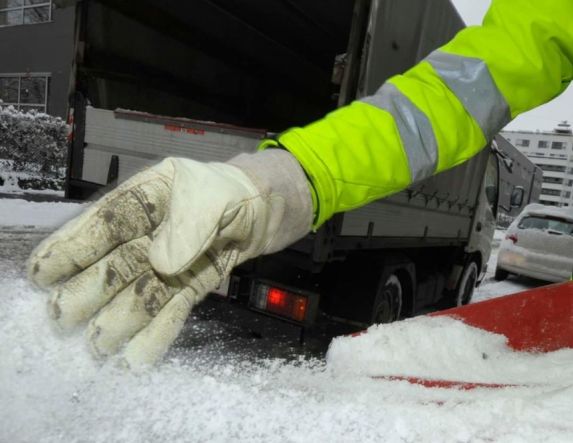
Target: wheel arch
point(477, 257)
point(405, 270)
point(407, 280)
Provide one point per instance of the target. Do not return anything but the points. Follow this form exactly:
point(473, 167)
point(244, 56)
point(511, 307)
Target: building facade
point(553, 153)
point(36, 52)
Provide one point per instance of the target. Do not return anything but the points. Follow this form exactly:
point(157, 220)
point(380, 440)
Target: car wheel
point(465, 290)
point(500, 274)
point(389, 301)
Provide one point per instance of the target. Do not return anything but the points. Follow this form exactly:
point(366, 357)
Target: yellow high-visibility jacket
point(441, 112)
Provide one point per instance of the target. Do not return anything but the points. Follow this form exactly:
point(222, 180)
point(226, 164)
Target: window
point(543, 144)
point(558, 145)
point(25, 12)
point(567, 194)
point(522, 142)
point(25, 92)
point(569, 182)
point(554, 224)
point(553, 180)
point(550, 192)
point(553, 168)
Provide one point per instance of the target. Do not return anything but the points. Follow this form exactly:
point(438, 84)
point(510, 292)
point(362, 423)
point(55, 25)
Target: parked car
point(538, 244)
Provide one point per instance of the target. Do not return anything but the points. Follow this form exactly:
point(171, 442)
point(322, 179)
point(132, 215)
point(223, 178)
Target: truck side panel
point(441, 206)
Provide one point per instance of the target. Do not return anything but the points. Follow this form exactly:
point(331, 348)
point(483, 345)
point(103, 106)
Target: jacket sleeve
point(441, 112)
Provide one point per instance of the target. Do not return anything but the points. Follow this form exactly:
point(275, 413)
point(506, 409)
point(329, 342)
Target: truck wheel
point(467, 284)
point(500, 274)
point(389, 301)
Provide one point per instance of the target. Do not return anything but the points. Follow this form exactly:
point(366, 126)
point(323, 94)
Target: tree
point(33, 141)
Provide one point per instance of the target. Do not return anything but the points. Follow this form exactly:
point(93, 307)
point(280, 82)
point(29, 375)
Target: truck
point(210, 79)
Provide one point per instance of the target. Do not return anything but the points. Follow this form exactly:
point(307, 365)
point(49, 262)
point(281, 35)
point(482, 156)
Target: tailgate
point(139, 139)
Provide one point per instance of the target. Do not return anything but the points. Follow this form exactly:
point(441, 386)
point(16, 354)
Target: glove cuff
point(277, 173)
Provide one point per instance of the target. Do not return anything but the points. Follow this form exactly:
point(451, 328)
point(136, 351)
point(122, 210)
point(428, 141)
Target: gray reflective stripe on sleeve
point(470, 80)
point(415, 130)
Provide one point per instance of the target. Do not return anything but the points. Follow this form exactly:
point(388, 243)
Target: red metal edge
point(445, 384)
point(183, 122)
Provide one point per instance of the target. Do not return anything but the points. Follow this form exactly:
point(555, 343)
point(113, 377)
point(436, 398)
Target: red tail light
point(280, 302)
point(511, 237)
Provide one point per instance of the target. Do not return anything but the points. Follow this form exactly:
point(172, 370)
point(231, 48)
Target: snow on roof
point(548, 211)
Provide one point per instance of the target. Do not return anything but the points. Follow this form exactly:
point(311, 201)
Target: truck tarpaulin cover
point(257, 63)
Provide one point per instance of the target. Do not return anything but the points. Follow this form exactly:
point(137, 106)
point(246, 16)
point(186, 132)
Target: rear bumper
point(315, 337)
point(536, 265)
point(218, 308)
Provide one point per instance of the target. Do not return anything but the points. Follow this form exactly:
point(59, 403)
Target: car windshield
point(547, 224)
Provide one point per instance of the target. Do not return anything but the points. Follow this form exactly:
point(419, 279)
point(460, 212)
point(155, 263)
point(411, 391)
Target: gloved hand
point(138, 260)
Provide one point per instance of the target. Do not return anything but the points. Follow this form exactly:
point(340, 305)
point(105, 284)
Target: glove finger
point(128, 313)
point(151, 343)
point(78, 299)
point(132, 211)
point(206, 274)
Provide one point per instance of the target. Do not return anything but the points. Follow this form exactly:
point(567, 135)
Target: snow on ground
point(18, 213)
point(52, 391)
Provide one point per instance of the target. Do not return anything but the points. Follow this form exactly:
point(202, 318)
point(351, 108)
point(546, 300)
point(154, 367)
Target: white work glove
point(136, 262)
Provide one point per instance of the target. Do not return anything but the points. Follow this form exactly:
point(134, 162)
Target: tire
point(467, 285)
point(389, 300)
point(500, 274)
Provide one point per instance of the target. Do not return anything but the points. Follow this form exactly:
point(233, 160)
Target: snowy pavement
point(52, 391)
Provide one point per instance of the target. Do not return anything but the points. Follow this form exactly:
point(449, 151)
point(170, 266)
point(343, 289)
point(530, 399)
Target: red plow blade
point(538, 321)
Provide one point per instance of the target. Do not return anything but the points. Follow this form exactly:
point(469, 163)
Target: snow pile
point(443, 348)
point(18, 182)
point(16, 212)
point(52, 391)
point(492, 289)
